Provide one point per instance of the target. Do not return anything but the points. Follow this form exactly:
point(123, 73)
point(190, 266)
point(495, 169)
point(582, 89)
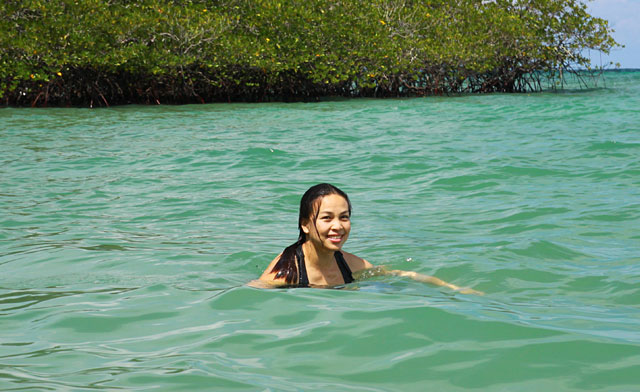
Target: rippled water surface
point(127, 235)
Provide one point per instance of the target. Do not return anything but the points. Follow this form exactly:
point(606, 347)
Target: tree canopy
point(97, 52)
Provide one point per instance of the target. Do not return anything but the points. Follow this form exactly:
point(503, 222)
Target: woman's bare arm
point(380, 271)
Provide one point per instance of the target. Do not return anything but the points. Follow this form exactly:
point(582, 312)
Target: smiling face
point(332, 225)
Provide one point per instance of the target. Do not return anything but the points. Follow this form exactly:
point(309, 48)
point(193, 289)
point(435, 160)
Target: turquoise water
point(127, 236)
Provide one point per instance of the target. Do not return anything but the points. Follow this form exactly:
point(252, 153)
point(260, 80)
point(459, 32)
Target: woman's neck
point(318, 258)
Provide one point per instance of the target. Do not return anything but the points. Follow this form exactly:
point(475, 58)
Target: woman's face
point(333, 224)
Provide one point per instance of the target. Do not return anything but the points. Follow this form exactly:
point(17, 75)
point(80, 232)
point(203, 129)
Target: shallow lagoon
point(128, 233)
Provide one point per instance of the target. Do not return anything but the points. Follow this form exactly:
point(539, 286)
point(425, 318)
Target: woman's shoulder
point(268, 275)
point(356, 263)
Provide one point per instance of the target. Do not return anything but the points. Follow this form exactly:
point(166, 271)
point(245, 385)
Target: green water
point(127, 235)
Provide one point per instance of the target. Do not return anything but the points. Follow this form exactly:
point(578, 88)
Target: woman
point(317, 258)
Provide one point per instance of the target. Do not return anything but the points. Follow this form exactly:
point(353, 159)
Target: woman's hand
point(467, 290)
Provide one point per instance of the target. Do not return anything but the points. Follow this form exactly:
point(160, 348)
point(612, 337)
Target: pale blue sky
point(624, 18)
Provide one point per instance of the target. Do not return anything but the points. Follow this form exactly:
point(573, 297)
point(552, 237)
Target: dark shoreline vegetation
point(102, 53)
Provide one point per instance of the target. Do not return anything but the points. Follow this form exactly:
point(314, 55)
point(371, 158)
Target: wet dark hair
point(286, 266)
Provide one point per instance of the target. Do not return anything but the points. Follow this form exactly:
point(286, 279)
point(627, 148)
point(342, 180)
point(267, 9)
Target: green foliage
point(79, 52)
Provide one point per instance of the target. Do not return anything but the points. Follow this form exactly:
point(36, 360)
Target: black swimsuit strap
point(344, 268)
point(303, 279)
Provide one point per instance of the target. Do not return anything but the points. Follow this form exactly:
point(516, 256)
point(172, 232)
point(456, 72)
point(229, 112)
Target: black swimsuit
point(303, 279)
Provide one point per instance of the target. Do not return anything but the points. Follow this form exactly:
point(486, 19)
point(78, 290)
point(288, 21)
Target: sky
point(624, 18)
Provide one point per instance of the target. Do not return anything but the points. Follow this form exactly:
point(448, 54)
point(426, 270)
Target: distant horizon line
point(610, 69)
